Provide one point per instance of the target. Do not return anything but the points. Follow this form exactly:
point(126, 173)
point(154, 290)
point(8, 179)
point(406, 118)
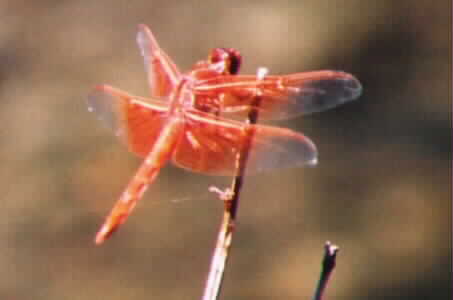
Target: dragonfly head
point(229, 57)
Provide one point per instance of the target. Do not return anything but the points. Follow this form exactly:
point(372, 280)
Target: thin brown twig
point(231, 200)
point(328, 264)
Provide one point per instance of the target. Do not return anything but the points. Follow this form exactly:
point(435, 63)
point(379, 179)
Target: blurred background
point(381, 190)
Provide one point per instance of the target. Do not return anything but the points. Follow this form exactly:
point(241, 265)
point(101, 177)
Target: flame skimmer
point(188, 118)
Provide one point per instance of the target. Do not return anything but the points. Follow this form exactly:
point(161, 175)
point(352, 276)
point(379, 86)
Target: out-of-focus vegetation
point(381, 190)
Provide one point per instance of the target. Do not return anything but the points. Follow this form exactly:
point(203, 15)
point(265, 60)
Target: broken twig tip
point(331, 249)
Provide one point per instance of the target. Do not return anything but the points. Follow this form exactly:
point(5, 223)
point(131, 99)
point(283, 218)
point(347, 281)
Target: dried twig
point(231, 200)
point(328, 264)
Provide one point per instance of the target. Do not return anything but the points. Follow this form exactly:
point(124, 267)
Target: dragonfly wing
point(163, 74)
point(211, 144)
point(282, 97)
point(135, 120)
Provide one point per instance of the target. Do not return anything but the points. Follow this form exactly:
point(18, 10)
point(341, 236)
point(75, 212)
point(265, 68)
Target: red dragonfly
point(190, 118)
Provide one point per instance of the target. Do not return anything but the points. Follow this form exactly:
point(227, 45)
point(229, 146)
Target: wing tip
point(308, 147)
point(101, 88)
point(143, 28)
point(312, 163)
point(93, 97)
point(329, 90)
point(294, 150)
point(304, 147)
point(145, 38)
point(102, 102)
point(352, 84)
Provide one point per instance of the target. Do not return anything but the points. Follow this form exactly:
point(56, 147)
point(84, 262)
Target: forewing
point(210, 145)
point(163, 74)
point(135, 120)
point(282, 97)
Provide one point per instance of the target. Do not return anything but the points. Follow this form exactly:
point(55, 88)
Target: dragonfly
point(193, 119)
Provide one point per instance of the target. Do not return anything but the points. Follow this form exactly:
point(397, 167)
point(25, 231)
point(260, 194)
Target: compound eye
point(217, 55)
point(234, 61)
point(230, 58)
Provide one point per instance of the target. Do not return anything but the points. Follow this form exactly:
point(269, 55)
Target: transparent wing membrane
point(135, 120)
point(210, 145)
point(282, 97)
point(163, 75)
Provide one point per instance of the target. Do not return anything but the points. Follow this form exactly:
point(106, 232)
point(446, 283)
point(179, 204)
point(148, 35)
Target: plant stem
point(231, 200)
point(328, 264)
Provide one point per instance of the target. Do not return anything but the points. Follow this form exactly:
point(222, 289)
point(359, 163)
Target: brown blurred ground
point(381, 190)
